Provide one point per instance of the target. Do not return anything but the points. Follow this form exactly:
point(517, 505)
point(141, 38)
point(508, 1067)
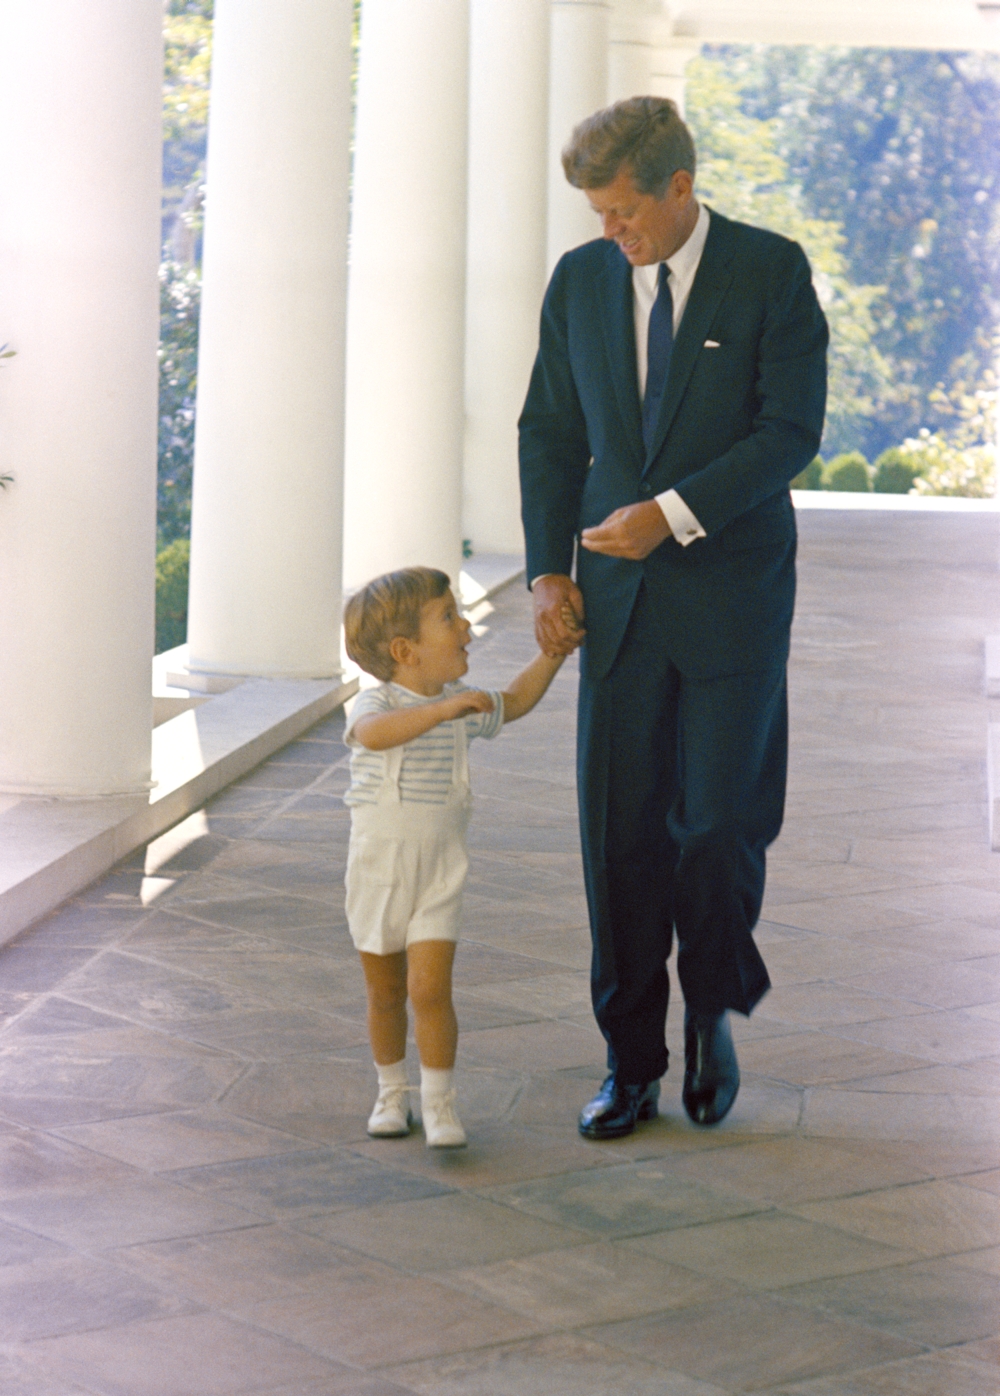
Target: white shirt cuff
point(683, 524)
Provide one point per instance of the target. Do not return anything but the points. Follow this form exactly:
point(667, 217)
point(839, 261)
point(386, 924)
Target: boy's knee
point(429, 992)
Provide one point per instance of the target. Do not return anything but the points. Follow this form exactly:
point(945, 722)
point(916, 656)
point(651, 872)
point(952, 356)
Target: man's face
point(647, 229)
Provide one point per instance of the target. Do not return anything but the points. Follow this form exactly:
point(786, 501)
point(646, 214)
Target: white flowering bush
point(947, 468)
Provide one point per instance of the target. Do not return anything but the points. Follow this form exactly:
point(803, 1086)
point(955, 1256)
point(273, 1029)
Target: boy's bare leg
point(435, 1025)
point(385, 981)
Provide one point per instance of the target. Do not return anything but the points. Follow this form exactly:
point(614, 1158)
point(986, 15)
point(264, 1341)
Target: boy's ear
point(401, 649)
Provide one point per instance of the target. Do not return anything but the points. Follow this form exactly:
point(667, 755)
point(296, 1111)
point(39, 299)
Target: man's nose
point(611, 225)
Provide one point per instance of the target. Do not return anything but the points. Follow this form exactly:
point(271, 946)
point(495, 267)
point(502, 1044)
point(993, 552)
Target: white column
point(508, 128)
point(266, 509)
point(670, 60)
point(630, 51)
point(406, 314)
point(80, 153)
point(578, 87)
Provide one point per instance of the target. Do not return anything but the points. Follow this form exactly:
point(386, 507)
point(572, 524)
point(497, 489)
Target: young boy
point(409, 800)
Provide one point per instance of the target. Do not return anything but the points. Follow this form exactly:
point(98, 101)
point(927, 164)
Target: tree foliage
point(172, 567)
point(901, 148)
point(180, 303)
point(187, 32)
point(743, 174)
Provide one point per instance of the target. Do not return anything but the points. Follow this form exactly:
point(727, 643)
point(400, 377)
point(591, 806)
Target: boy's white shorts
point(406, 867)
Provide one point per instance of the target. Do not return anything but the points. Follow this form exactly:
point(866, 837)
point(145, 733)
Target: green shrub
point(849, 471)
point(172, 594)
point(895, 471)
point(811, 478)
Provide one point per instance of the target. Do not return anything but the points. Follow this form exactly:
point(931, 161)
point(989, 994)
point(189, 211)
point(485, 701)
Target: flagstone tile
point(191, 1355)
point(752, 1343)
point(598, 1282)
point(477, 965)
point(170, 1141)
point(306, 1182)
point(960, 984)
point(977, 1079)
point(936, 1218)
point(20, 1377)
point(549, 995)
point(792, 1169)
point(559, 1044)
point(987, 1261)
point(986, 1350)
point(769, 1251)
point(845, 915)
point(151, 993)
point(72, 1293)
point(107, 1073)
point(27, 968)
point(325, 1097)
point(936, 1374)
point(626, 1200)
point(374, 1316)
point(936, 1302)
point(820, 1058)
point(270, 1034)
point(441, 1233)
point(824, 1005)
point(951, 1036)
point(237, 1268)
point(557, 1365)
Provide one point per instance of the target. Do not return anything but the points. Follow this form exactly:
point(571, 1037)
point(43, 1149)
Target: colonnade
point(459, 211)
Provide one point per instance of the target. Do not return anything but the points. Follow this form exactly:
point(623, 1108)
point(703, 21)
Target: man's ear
point(682, 185)
point(401, 649)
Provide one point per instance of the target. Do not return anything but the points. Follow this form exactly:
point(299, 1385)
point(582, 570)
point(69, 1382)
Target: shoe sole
point(392, 1133)
point(716, 1118)
point(648, 1111)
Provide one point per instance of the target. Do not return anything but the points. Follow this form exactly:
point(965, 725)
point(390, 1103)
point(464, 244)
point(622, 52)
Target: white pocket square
point(712, 344)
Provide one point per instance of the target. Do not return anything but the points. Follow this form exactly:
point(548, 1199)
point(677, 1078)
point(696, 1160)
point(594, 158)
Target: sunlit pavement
point(189, 1204)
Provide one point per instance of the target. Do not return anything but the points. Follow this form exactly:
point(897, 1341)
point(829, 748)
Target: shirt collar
point(685, 260)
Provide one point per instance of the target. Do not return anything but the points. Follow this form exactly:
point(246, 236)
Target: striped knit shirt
point(425, 774)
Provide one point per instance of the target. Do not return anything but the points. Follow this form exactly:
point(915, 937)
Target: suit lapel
point(618, 323)
point(711, 282)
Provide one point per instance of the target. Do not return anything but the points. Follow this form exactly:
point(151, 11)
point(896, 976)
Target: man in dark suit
point(679, 386)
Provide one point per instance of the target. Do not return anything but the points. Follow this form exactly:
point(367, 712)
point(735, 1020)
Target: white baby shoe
point(442, 1127)
point(391, 1117)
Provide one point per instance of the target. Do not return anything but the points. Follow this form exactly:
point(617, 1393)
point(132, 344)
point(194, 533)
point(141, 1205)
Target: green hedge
point(172, 565)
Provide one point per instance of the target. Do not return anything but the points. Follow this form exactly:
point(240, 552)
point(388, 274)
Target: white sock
point(394, 1075)
point(435, 1082)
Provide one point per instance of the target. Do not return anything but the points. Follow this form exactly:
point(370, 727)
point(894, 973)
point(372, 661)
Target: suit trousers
point(681, 784)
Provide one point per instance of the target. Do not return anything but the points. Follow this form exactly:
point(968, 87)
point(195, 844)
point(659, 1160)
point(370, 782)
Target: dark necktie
point(658, 347)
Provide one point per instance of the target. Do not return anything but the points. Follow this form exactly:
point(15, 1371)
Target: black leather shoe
point(616, 1109)
point(711, 1072)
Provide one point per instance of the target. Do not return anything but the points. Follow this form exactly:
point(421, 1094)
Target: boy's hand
point(474, 701)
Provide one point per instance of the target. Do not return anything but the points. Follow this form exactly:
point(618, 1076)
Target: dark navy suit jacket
point(736, 423)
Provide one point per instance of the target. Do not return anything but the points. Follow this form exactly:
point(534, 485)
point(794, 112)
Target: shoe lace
point(441, 1107)
point(393, 1093)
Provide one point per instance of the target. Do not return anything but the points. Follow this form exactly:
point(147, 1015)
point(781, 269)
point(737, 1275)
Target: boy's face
point(438, 653)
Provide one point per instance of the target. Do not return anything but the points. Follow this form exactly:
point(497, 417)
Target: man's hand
point(558, 615)
point(632, 532)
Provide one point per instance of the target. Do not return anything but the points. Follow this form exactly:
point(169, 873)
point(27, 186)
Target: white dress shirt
point(682, 267)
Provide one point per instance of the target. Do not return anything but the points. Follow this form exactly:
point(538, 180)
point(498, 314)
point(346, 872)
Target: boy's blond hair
point(388, 606)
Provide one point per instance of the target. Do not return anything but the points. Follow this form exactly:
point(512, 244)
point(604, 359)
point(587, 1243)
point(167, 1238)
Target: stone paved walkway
point(190, 1206)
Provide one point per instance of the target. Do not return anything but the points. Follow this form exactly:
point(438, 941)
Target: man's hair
point(643, 134)
point(389, 606)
